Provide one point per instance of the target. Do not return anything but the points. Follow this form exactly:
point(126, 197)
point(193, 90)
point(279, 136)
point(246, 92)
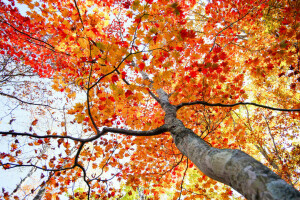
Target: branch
point(12, 133)
point(88, 101)
point(114, 70)
point(106, 163)
point(13, 165)
point(154, 96)
point(105, 130)
point(181, 185)
point(153, 132)
point(235, 104)
point(176, 164)
point(79, 14)
point(146, 77)
point(214, 43)
point(25, 102)
point(52, 47)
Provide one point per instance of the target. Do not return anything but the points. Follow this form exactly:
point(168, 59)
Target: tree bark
point(232, 167)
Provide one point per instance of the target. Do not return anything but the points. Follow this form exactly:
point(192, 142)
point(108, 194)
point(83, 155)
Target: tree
point(169, 87)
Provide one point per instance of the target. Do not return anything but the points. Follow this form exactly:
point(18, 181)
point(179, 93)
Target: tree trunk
point(232, 167)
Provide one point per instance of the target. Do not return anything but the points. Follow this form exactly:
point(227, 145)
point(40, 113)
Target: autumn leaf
point(34, 122)
point(114, 78)
point(128, 93)
point(142, 65)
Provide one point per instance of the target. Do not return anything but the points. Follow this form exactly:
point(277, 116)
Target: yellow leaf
point(95, 51)
point(106, 21)
point(83, 43)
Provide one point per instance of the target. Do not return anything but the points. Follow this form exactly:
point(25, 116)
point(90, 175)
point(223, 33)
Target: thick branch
point(153, 132)
point(235, 104)
point(105, 130)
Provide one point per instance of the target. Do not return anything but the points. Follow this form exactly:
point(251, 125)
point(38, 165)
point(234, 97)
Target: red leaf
point(217, 49)
point(137, 20)
point(187, 78)
point(270, 66)
point(184, 33)
point(101, 107)
point(124, 75)
point(215, 59)
point(222, 56)
point(282, 30)
point(193, 74)
point(126, 4)
point(112, 99)
point(114, 78)
point(179, 48)
point(298, 36)
point(145, 57)
point(142, 65)
point(128, 93)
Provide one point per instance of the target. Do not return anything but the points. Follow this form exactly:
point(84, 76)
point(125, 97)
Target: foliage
point(115, 54)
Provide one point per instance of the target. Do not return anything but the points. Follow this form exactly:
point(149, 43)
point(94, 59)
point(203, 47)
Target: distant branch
point(25, 102)
point(235, 104)
point(230, 25)
point(12, 133)
point(181, 185)
point(13, 165)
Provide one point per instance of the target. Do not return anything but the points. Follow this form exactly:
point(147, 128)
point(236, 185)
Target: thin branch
point(79, 13)
point(270, 133)
point(52, 47)
point(182, 156)
point(85, 180)
point(25, 102)
point(214, 43)
point(106, 163)
point(13, 165)
point(12, 133)
point(181, 186)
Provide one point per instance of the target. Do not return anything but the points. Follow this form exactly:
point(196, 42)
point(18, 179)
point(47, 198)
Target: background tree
point(155, 89)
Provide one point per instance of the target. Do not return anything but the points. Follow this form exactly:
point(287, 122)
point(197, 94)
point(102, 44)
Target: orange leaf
point(34, 122)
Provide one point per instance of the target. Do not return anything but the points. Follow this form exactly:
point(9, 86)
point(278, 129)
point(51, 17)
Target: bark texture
point(232, 167)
